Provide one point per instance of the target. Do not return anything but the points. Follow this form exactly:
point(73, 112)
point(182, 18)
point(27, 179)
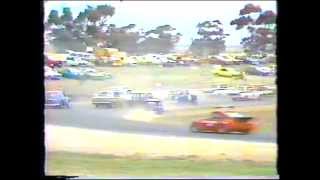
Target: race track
point(84, 115)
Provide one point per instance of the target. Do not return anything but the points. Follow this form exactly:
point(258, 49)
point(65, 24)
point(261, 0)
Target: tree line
point(91, 28)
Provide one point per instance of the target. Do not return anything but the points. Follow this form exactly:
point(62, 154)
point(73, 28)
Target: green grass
point(65, 163)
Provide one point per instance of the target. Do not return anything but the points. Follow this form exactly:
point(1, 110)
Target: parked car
point(226, 60)
point(132, 60)
point(253, 61)
point(52, 75)
point(98, 75)
point(265, 92)
point(56, 99)
point(53, 63)
point(226, 122)
point(169, 63)
point(73, 61)
point(260, 71)
point(144, 60)
point(72, 73)
point(88, 70)
point(93, 74)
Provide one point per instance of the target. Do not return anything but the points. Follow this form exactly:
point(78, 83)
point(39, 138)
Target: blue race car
point(56, 99)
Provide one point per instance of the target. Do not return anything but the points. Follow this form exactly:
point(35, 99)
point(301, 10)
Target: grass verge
point(65, 163)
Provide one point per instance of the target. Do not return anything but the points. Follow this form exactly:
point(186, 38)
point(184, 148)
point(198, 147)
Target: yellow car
point(227, 72)
point(118, 63)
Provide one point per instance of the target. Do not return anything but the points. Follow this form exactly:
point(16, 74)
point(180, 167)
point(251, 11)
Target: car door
point(212, 124)
point(240, 124)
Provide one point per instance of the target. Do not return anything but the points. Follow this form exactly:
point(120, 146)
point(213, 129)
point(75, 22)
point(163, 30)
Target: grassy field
point(148, 77)
point(65, 163)
point(266, 115)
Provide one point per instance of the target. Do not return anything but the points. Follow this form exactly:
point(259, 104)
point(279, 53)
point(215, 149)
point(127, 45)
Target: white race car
point(225, 91)
point(246, 96)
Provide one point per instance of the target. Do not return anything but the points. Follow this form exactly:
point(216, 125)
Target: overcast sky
point(183, 15)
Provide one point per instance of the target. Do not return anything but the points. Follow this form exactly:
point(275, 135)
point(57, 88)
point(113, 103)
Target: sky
point(182, 15)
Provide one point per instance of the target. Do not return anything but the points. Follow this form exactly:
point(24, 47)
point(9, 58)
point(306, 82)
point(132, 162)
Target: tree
point(123, 38)
point(159, 40)
point(262, 29)
point(54, 18)
point(212, 39)
point(66, 15)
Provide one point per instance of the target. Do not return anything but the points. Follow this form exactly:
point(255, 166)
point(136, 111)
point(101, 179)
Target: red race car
point(226, 122)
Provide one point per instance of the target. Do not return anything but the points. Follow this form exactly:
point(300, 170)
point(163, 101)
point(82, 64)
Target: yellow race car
point(227, 72)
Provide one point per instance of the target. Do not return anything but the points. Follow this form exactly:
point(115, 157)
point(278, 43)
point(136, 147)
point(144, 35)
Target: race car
point(225, 91)
point(56, 99)
point(227, 72)
point(154, 105)
point(183, 97)
point(247, 96)
point(107, 99)
point(226, 122)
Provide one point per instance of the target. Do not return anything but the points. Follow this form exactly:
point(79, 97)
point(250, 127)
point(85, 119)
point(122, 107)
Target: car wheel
point(194, 129)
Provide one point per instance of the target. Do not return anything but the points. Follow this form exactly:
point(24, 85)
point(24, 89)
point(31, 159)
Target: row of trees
point(262, 29)
point(91, 28)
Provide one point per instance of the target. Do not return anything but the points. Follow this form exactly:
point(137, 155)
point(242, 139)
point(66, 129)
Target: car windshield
point(244, 119)
point(216, 116)
point(238, 116)
point(53, 94)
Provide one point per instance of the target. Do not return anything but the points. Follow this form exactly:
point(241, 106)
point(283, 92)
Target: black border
point(27, 130)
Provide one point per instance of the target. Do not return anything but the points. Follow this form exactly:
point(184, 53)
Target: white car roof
point(235, 114)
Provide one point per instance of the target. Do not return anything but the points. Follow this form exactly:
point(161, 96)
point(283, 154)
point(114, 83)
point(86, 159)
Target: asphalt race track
point(84, 115)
